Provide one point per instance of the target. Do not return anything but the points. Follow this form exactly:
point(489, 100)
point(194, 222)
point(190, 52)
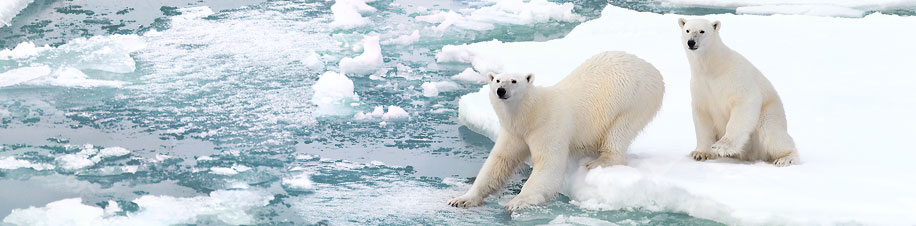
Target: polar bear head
point(698, 34)
point(509, 86)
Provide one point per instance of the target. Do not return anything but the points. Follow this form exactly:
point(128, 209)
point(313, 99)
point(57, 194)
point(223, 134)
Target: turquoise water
point(230, 89)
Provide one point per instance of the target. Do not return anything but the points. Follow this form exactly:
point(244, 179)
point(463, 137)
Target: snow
point(220, 207)
point(333, 94)
point(846, 175)
point(229, 171)
point(404, 39)
point(431, 89)
point(299, 182)
point(515, 12)
point(113, 152)
point(24, 74)
point(810, 10)
point(470, 76)
point(11, 163)
point(366, 63)
point(842, 8)
point(348, 13)
point(10, 8)
point(89, 156)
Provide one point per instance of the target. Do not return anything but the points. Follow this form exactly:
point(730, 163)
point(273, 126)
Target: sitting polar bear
point(598, 109)
point(736, 111)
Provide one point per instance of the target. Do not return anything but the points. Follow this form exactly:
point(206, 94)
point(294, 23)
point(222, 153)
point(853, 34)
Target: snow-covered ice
point(221, 207)
point(348, 13)
point(431, 89)
point(10, 163)
point(299, 182)
point(849, 117)
point(333, 94)
point(404, 39)
point(366, 63)
point(841, 8)
point(393, 113)
point(10, 8)
point(470, 76)
point(504, 12)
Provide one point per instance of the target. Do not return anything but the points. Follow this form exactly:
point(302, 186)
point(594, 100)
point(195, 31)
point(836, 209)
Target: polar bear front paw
point(465, 201)
point(786, 161)
point(703, 155)
point(521, 202)
point(724, 148)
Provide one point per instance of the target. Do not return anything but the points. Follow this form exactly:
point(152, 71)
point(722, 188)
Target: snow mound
point(366, 63)
point(348, 13)
point(313, 62)
point(11, 8)
point(333, 94)
point(515, 12)
point(821, 91)
point(222, 206)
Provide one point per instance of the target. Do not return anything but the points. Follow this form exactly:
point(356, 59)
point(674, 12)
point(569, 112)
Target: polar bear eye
point(513, 81)
point(702, 31)
point(688, 31)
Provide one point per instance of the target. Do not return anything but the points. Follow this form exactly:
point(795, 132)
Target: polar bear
point(596, 110)
point(736, 111)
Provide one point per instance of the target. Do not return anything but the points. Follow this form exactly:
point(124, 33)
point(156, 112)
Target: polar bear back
point(607, 85)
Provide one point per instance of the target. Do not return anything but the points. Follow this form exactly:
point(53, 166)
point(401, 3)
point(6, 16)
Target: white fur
point(736, 110)
point(597, 110)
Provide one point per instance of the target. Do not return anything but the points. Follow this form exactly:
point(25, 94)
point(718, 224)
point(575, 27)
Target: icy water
point(200, 112)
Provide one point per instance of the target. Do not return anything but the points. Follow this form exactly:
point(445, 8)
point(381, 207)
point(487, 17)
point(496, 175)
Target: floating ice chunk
point(470, 76)
point(21, 75)
point(299, 182)
point(220, 207)
point(348, 13)
point(10, 8)
point(431, 89)
point(112, 208)
point(395, 112)
point(471, 54)
point(113, 152)
point(4, 113)
point(223, 171)
point(333, 94)
point(79, 160)
point(366, 63)
point(504, 12)
point(22, 50)
point(11, 163)
point(313, 62)
point(576, 220)
point(809, 10)
point(404, 39)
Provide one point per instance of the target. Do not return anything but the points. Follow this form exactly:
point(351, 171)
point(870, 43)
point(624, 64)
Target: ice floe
point(516, 12)
point(366, 63)
point(829, 99)
point(220, 207)
point(334, 94)
point(10, 8)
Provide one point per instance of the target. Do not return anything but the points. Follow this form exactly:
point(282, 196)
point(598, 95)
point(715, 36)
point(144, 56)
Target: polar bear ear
point(681, 21)
point(490, 76)
point(529, 77)
point(716, 25)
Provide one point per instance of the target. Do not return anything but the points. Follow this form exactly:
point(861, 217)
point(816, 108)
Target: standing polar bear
point(736, 111)
point(596, 110)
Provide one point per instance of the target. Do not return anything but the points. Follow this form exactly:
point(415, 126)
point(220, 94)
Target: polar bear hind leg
point(614, 147)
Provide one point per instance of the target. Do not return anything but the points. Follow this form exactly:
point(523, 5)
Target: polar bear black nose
point(691, 43)
point(501, 92)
